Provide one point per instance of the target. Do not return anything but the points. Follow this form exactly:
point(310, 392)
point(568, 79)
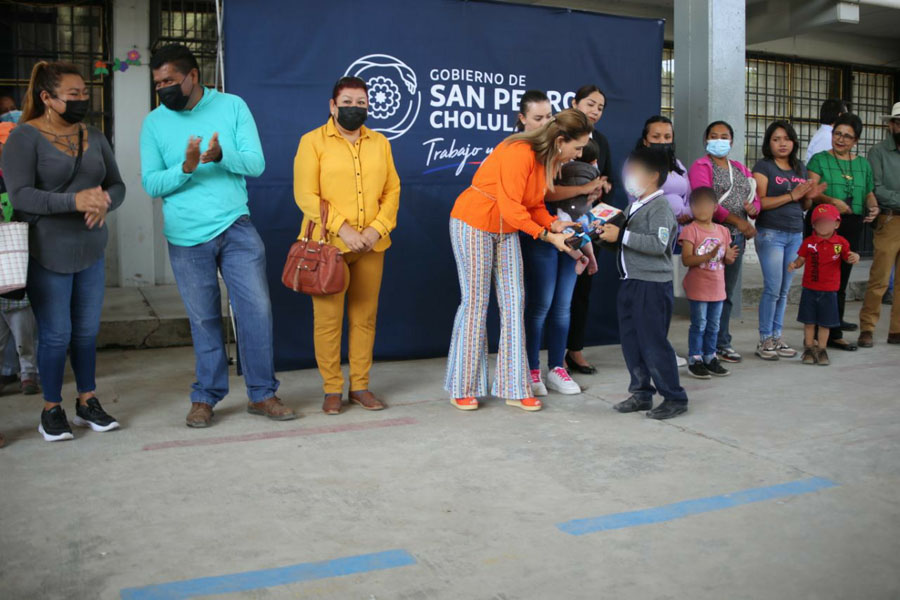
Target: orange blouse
point(510, 185)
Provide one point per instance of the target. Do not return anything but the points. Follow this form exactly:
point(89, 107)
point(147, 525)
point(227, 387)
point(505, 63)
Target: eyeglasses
point(843, 136)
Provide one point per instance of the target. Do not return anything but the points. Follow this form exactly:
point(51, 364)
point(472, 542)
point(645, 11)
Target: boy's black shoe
point(715, 368)
point(92, 415)
point(54, 425)
point(699, 370)
point(667, 410)
point(633, 404)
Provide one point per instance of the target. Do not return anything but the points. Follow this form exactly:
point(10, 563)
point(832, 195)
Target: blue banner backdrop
point(445, 77)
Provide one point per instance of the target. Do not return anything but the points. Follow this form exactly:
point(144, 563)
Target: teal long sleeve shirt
point(200, 205)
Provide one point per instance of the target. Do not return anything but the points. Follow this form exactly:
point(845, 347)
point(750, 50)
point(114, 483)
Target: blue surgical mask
point(718, 148)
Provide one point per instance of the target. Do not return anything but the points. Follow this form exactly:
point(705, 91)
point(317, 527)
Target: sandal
point(529, 404)
point(465, 403)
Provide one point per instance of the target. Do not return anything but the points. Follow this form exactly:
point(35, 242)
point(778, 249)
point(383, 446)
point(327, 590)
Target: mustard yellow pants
point(363, 277)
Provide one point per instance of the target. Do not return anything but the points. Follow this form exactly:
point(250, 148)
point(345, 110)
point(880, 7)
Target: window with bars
point(188, 22)
point(781, 90)
point(72, 33)
point(793, 90)
point(667, 103)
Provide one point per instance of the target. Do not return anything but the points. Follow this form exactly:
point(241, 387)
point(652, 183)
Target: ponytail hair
point(45, 77)
point(568, 124)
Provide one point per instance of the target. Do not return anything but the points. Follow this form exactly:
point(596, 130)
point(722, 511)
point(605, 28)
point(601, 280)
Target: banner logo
point(394, 95)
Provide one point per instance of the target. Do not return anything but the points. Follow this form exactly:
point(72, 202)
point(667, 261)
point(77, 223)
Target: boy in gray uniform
point(645, 297)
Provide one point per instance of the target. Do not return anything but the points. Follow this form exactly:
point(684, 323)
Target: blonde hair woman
point(506, 196)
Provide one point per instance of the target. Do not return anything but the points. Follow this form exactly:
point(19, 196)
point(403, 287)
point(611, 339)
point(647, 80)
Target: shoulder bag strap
point(323, 216)
point(78, 157)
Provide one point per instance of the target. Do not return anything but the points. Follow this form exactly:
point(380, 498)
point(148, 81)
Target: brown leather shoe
point(333, 405)
point(367, 400)
point(866, 339)
point(200, 415)
point(893, 338)
point(272, 408)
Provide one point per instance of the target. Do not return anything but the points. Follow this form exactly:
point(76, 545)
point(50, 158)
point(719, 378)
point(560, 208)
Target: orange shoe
point(529, 404)
point(465, 403)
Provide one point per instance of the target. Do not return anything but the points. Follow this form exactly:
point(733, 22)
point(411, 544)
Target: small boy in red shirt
point(822, 252)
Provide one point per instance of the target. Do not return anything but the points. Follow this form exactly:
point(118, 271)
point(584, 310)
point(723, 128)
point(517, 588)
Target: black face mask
point(172, 97)
point(351, 118)
point(75, 111)
point(897, 138)
point(668, 148)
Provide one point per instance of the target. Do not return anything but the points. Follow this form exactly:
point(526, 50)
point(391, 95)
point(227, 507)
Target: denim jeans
point(704, 330)
point(67, 310)
point(239, 253)
point(732, 280)
point(549, 282)
point(776, 250)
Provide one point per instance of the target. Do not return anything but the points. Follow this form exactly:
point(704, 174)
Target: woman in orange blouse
point(352, 168)
point(506, 196)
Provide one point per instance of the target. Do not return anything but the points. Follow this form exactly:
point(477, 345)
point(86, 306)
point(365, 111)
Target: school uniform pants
point(581, 303)
point(363, 284)
point(887, 258)
point(645, 311)
point(18, 324)
point(480, 257)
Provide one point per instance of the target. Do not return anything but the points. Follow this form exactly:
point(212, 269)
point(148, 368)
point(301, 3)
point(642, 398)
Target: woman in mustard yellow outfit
point(352, 168)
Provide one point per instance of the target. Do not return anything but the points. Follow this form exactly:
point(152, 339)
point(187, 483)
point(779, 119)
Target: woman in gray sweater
point(63, 179)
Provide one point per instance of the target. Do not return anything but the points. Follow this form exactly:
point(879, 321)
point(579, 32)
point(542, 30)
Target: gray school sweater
point(645, 251)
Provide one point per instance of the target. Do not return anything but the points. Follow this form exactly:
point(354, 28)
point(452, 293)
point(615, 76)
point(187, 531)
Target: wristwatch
point(543, 235)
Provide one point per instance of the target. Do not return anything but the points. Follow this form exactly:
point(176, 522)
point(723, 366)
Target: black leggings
point(581, 301)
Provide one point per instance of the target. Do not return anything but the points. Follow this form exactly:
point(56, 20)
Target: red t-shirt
point(823, 262)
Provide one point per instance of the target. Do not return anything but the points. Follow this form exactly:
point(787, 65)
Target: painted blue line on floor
point(686, 508)
point(254, 580)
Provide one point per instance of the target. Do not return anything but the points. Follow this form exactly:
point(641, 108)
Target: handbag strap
point(78, 158)
point(323, 219)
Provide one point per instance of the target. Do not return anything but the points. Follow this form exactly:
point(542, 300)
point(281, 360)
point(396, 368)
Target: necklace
point(64, 140)
point(847, 176)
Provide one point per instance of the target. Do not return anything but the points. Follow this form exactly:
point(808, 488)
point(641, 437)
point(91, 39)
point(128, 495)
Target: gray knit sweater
point(645, 251)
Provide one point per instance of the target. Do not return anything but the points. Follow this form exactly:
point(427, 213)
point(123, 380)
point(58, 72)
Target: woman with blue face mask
point(738, 203)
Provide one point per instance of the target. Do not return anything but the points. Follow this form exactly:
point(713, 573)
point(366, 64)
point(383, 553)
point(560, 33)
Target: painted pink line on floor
point(271, 435)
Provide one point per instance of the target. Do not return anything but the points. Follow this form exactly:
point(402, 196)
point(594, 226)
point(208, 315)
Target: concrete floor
point(474, 498)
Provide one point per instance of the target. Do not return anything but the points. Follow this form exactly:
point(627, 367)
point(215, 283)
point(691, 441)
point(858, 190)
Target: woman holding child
point(550, 275)
point(506, 197)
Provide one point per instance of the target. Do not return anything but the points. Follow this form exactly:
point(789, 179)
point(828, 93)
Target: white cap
point(895, 113)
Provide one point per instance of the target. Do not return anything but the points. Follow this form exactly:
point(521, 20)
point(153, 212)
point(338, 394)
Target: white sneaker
point(680, 361)
point(558, 380)
point(537, 384)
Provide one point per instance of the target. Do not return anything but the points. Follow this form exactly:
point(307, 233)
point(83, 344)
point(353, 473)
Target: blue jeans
point(704, 330)
point(732, 278)
point(549, 282)
point(776, 250)
point(67, 310)
point(239, 253)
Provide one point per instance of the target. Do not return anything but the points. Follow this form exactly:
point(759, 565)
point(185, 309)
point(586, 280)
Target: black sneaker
point(92, 415)
point(54, 425)
point(667, 410)
point(698, 370)
point(715, 368)
point(634, 404)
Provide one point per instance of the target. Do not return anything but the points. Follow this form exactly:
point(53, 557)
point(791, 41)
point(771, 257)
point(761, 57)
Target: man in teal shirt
point(885, 161)
point(207, 225)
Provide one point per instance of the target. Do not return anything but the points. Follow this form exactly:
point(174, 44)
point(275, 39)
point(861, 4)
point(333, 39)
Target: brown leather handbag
point(314, 268)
